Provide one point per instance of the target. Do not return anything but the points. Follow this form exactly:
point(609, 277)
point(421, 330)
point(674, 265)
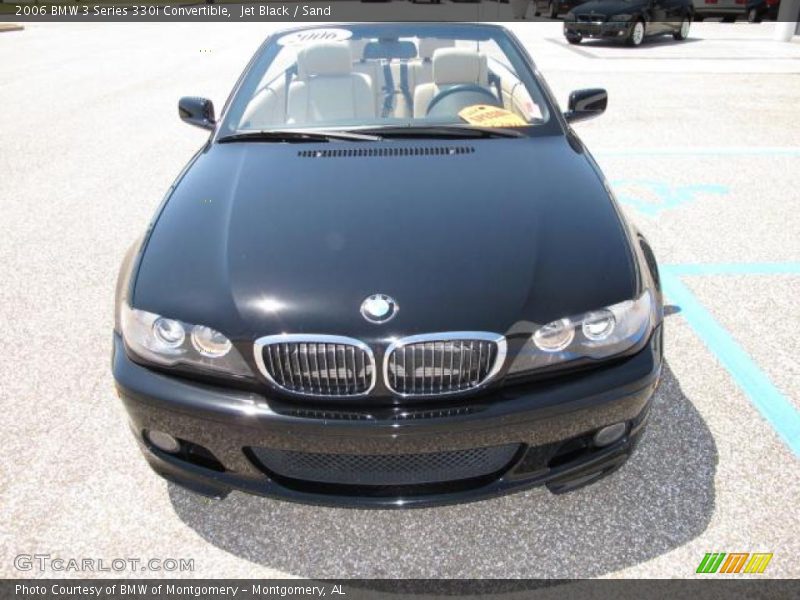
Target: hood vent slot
point(387, 152)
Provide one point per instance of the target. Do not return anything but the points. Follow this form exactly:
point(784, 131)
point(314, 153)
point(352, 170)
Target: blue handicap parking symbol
point(653, 197)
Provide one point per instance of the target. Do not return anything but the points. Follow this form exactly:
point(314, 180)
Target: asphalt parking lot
point(702, 145)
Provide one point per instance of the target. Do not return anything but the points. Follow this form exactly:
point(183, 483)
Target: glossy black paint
point(498, 235)
point(586, 104)
point(197, 111)
point(459, 244)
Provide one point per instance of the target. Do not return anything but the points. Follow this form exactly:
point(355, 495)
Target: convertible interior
point(380, 81)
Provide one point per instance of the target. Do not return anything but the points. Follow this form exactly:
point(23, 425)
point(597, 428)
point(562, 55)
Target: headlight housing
point(170, 342)
point(623, 18)
point(596, 334)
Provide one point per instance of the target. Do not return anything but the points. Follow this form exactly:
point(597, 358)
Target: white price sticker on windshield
point(310, 36)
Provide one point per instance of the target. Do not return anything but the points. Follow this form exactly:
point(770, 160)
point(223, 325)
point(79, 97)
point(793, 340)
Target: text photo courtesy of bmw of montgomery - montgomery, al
point(403, 300)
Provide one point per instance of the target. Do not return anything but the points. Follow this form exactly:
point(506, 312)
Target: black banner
point(357, 589)
point(291, 10)
point(259, 10)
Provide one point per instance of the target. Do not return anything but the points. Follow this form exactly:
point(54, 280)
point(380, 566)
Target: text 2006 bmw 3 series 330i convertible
point(393, 276)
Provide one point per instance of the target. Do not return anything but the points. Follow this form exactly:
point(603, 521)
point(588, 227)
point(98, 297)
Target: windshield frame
point(250, 78)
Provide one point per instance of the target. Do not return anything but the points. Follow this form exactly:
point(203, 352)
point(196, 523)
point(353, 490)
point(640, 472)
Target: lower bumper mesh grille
point(386, 469)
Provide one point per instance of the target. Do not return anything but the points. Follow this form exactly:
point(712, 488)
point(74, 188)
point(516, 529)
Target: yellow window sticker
point(491, 116)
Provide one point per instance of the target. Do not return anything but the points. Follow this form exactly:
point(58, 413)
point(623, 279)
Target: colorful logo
point(736, 562)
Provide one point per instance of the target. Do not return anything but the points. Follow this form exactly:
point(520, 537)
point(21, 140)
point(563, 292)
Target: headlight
point(623, 18)
point(596, 334)
point(169, 342)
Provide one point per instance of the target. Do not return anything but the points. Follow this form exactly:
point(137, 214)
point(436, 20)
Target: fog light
point(164, 441)
point(609, 435)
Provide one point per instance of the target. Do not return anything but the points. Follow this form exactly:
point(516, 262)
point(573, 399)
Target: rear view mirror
point(197, 111)
point(390, 50)
point(586, 104)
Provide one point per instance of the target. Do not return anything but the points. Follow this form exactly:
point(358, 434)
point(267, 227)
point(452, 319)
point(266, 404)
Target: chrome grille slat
point(469, 371)
point(427, 365)
point(296, 354)
point(460, 364)
point(289, 366)
point(363, 370)
point(317, 365)
point(335, 367)
point(452, 354)
point(325, 368)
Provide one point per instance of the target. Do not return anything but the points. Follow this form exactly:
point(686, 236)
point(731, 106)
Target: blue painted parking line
point(782, 268)
point(773, 405)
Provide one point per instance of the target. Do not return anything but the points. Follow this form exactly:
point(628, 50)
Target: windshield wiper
point(297, 136)
point(442, 131)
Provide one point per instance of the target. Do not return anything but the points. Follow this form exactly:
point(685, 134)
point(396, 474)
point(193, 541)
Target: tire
point(636, 35)
point(728, 19)
point(552, 9)
point(753, 15)
point(683, 31)
point(574, 38)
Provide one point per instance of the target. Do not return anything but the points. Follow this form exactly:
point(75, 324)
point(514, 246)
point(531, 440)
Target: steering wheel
point(478, 95)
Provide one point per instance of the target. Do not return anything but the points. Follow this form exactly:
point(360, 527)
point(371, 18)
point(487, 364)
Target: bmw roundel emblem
point(379, 308)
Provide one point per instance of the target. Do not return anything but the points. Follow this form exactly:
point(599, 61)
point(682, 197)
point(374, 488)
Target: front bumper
point(552, 424)
point(607, 29)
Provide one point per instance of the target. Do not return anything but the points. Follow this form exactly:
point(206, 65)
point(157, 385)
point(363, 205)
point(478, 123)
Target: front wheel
point(636, 35)
point(574, 38)
point(683, 31)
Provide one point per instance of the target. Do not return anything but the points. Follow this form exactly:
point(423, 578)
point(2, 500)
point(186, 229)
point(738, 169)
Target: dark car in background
point(729, 10)
point(392, 276)
point(630, 21)
point(553, 8)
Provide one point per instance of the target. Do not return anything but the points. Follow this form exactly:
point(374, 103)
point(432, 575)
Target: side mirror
point(197, 111)
point(586, 104)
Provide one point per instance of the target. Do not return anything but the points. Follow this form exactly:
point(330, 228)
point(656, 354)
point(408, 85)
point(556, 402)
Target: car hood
point(608, 8)
point(479, 235)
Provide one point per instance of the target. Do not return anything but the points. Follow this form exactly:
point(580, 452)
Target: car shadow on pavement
point(649, 42)
point(662, 498)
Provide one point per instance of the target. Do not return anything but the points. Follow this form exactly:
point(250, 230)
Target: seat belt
point(388, 89)
point(288, 75)
point(404, 87)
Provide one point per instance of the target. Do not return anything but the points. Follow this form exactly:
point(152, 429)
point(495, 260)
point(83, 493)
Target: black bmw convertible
point(392, 276)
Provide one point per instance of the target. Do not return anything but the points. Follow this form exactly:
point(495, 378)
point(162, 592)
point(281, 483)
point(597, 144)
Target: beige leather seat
point(451, 66)
point(422, 66)
point(370, 68)
point(327, 88)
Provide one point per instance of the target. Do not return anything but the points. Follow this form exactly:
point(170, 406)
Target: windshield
point(387, 76)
